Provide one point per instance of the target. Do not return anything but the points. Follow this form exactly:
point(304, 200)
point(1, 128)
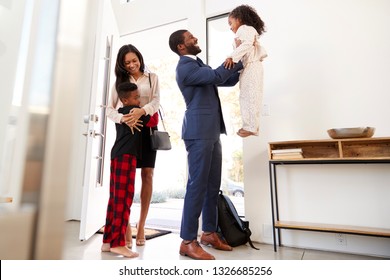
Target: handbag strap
point(159, 111)
point(162, 119)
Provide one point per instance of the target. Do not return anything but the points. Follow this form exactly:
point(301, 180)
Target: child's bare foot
point(244, 133)
point(105, 247)
point(124, 251)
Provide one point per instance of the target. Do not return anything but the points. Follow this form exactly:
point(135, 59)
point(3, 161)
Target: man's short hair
point(176, 39)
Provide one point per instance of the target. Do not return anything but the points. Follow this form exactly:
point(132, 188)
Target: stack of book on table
point(295, 153)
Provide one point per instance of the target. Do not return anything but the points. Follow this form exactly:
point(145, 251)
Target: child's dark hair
point(125, 89)
point(248, 16)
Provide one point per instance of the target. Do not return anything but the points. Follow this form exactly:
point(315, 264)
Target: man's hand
point(228, 63)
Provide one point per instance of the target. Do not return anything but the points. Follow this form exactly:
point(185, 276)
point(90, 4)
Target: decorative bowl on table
point(351, 132)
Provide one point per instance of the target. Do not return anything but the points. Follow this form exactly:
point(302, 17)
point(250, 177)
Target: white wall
point(327, 67)
point(138, 16)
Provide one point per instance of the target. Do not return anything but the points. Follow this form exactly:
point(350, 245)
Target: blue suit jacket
point(198, 83)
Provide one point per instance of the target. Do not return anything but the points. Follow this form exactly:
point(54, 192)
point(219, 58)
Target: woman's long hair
point(120, 69)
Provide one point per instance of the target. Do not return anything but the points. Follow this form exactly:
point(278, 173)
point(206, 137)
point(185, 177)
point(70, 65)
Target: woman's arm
point(112, 107)
point(154, 103)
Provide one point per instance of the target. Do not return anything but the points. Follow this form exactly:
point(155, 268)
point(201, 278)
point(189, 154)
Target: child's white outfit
point(251, 78)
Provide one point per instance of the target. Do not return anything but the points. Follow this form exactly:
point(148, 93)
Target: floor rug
point(149, 232)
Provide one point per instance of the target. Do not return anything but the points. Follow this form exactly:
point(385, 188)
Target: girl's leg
point(251, 93)
point(146, 196)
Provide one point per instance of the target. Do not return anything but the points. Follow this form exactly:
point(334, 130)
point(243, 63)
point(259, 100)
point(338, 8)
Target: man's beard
point(192, 49)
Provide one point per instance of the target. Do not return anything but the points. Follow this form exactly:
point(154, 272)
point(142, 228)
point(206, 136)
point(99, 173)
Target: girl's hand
point(228, 63)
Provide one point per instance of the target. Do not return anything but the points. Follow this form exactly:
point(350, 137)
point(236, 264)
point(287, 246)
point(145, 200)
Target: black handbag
point(160, 140)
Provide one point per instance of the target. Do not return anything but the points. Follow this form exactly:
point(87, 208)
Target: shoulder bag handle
point(159, 111)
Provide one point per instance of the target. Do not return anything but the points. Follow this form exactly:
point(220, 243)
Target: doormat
point(149, 232)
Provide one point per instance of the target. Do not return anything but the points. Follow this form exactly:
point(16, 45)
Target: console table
point(330, 151)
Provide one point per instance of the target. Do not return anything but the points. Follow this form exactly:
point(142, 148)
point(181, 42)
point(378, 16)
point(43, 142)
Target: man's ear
point(180, 47)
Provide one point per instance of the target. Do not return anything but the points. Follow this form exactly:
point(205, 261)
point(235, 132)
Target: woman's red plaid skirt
point(122, 180)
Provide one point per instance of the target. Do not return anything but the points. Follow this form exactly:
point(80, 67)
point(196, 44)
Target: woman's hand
point(136, 113)
point(131, 122)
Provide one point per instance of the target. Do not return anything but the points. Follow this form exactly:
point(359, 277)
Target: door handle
point(91, 118)
point(93, 134)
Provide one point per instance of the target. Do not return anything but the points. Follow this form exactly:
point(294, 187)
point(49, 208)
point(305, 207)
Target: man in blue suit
point(202, 126)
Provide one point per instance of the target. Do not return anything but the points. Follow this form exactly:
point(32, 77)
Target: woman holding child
point(130, 67)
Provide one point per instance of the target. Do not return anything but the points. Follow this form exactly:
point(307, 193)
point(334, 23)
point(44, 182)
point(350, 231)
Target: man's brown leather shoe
point(193, 250)
point(215, 241)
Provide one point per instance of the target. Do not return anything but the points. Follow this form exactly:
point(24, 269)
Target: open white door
point(96, 172)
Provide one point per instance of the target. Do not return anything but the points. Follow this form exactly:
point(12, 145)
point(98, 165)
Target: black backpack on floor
point(235, 230)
